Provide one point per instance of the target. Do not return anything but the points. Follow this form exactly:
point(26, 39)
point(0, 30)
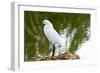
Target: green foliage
point(34, 35)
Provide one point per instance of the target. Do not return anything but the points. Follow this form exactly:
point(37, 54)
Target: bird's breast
point(52, 35)
point(48, 31)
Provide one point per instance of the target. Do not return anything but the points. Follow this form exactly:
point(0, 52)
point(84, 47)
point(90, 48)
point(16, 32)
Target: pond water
point(74, 28)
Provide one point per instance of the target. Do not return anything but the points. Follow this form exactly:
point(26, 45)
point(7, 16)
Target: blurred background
point(73, 27)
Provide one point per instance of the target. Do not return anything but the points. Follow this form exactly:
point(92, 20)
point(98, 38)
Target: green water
point(35, 40)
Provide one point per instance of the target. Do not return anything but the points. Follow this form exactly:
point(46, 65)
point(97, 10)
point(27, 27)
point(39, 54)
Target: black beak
point(38, 24)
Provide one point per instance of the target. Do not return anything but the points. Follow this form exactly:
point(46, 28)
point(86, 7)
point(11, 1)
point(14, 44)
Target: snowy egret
point(52, 35)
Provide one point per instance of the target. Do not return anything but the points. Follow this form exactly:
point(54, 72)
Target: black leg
point(53, 50)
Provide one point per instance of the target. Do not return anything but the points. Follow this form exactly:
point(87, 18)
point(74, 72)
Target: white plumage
point(52, 35)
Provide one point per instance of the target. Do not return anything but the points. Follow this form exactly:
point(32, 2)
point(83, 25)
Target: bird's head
point(46, 22)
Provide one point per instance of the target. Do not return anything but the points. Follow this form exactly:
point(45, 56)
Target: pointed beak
point(38, 24)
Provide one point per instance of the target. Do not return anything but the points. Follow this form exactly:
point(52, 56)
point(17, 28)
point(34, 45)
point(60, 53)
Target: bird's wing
point(52, 35)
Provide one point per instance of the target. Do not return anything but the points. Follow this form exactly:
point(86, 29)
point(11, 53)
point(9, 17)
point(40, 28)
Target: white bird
point(52, 35)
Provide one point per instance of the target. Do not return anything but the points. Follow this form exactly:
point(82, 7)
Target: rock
point(66, 56)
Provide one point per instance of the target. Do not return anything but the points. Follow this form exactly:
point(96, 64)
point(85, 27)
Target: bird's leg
point(53, 50)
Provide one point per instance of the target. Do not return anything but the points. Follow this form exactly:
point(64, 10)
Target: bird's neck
point(50, 25)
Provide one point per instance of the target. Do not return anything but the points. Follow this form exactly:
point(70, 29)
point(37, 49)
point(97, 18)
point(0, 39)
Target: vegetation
point(35, 41)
